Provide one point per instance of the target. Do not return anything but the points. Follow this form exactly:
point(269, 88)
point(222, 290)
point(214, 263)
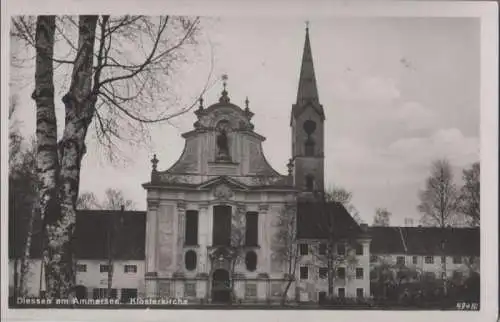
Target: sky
point(398, 93)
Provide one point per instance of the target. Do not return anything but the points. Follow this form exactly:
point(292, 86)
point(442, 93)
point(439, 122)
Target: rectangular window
point(130, 268)
point(104, 268)
point(191, 233)
point(429, 259)
point(321, 297)
point(304, 249)
point(323, 272)
point(341, 272)
point(164, 289)
point(252, 229)
point(81, 268)
point(276, 290)
point(457, 275)
point(101, 293)
point(322, 249)
point(341, 292)
point(360, 293)
point(400, 260)
point(304, 272)
point(430, 276)
point(359, 249)
point(443, 259)
point(189, 289)
point(222, 225)
point(341, 249)
point(359, 273)
point(251, 290)
point(457, 260)
point(128, 294)
point(414, 260)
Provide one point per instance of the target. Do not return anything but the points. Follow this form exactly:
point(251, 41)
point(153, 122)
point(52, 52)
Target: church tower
point(307, 123)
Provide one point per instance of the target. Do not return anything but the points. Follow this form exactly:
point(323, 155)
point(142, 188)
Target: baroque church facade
point(214, 218)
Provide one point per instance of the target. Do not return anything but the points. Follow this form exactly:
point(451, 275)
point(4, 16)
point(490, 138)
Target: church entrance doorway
point(221, 286)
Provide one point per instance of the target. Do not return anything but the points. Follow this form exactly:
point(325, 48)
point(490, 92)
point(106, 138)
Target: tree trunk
point(330, 268)
point(16, 278)
point(26, 253)
point(46, 123)
point(79, 109)
point(110, 255)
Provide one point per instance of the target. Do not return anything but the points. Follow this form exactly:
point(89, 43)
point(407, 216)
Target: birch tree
point(118, 66)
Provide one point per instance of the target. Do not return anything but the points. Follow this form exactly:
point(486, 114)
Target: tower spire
point(307, 90)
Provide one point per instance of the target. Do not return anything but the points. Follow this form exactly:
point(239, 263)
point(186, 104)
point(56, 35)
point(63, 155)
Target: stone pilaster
point(264, 240)
point(203, 237)
point(181, 217)
point(151, 236)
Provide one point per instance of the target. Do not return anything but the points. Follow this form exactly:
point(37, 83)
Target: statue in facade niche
point(223, 145)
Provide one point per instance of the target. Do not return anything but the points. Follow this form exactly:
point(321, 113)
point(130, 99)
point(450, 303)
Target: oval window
point(190, 260)
point(251, 261)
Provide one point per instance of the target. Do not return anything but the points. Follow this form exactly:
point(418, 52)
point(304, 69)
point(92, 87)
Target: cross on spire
point(224, 98)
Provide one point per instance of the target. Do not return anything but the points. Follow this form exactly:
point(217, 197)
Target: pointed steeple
point(308, 91)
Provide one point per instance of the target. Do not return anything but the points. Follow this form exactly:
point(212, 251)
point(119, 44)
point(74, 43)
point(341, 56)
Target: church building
point(214, 223)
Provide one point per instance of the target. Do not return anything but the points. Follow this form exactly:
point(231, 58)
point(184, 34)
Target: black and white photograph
point(181, 160)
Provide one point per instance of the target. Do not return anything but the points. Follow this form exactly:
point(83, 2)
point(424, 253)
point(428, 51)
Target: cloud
point(444, 143)
point(365, 88)
point(414, 116)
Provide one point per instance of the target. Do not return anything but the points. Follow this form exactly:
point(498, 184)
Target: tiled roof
point(312, 224)
point(92, 225)
point(91, 238)
point(424, 240)
point(92, 229)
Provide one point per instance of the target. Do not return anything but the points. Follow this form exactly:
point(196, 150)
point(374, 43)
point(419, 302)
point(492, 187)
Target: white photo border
point(486, 11)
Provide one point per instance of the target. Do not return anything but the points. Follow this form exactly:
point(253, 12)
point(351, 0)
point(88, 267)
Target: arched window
point(309, 182)
point(251, 261)
point(190, 260)
point(309, 147)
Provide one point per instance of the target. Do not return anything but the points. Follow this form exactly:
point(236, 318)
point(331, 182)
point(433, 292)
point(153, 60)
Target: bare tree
point(382, 217)
point(328, 204)
point(285, 245)
point(470, 204)
point(237, 243)
point(87, 200)
point(114, 199)
point(438, 201)
point(23, 208)
point(119, 72)
point(344, 197)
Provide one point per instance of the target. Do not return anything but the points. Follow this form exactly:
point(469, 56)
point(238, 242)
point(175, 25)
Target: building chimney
point(364, 227)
